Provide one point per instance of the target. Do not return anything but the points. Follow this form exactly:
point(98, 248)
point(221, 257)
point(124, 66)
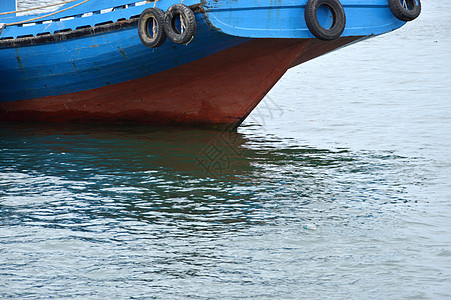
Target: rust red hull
point(221, 89)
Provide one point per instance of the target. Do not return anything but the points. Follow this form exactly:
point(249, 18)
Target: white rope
point(48, 15)
point(404, 4)
point(182, 25)
point(36, 8)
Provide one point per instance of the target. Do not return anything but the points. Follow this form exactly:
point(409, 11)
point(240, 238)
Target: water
point(336, 187)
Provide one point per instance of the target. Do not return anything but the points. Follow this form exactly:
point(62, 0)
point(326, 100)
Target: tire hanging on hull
point(183, 32)
point(405, 10)
point(313, 24)
point(151, 27)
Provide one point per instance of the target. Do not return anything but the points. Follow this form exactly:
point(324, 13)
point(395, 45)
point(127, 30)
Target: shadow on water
point(124, 149)
point(193, 179)
point(80, 151)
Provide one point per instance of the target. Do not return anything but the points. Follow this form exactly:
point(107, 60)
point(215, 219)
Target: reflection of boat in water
point(127, 149)
point(206, 62)
point(80, 151)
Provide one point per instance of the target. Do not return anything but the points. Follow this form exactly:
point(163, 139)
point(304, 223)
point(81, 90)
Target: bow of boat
point(103, 61)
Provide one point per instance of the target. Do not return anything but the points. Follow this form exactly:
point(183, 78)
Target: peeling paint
point(122, 52)
point(18, 59)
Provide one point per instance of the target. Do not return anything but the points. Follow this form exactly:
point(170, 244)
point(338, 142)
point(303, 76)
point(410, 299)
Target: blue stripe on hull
point(95, 61)
point(265, 19)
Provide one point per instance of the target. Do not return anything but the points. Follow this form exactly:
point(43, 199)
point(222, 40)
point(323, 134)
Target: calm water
point(336, 187)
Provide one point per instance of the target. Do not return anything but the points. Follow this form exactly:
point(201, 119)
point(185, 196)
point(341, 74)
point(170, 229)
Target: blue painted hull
point(96, 44)
point(92, 61)
point(7, 5)
point(105, 59)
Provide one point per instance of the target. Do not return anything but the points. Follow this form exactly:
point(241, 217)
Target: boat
point(168, 62)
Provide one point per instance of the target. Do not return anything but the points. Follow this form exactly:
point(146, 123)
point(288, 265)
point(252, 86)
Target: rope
point(48, 15)
point(35, 8)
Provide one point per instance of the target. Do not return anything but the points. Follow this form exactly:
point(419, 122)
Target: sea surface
point(338, 186)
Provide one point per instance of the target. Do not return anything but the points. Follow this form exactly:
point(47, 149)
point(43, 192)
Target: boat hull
point(88, 64)
point(218, 90)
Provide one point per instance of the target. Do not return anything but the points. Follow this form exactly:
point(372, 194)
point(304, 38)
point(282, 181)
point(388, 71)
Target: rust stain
point(122, 52)
point(94, 46)
point(20, 62)
point(18, 59)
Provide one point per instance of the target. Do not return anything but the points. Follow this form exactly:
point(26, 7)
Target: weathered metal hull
point(220, 89)
point(104, 73)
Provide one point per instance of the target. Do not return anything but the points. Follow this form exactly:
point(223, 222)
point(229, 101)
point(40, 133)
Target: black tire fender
point(405, 10)
point(188, 24)
point(151, 27)
point(338, 15)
